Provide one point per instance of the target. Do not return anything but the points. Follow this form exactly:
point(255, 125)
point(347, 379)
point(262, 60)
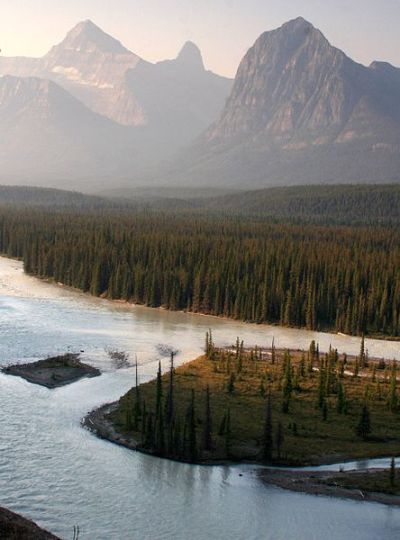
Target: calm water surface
point(60, 475)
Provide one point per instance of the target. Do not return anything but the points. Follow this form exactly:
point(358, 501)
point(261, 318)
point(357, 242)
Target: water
point(60, 475)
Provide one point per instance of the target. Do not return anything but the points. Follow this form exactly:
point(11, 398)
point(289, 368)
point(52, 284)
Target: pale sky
point(223, 29)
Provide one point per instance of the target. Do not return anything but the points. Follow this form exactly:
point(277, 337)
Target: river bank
point(311, 482)
point(16, 527)
point(329, 483)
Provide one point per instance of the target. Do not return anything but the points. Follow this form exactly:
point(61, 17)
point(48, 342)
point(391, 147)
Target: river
point(60, 475)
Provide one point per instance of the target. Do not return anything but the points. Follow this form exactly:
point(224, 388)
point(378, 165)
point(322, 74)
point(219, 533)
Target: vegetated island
point(53, 372)
point(15, 527)
point(268, 406)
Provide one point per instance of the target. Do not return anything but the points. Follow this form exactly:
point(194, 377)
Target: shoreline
point(96, 422)
point(53, 372)
point(129, 305)
point(321, 483)
point(13, 525)
point(313, 482)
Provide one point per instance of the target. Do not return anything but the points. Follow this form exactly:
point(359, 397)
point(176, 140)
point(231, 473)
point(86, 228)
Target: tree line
point(319, 277)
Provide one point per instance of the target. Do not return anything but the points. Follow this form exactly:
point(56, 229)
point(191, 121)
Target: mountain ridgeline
point(298, 112)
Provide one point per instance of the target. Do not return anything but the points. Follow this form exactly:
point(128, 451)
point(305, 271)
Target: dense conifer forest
point(339, 278)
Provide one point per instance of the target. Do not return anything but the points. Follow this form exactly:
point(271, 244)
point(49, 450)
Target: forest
point(321, 277)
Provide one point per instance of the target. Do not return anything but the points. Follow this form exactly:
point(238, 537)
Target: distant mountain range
point(300, 111)
point(127, 111)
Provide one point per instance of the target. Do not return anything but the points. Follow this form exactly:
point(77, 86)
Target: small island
point(14, 527)
point(53, 372)
point(267, 406)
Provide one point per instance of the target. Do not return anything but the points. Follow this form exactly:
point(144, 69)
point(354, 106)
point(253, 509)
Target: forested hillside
point(341, 204)
point(335, 204)
point(320, 277)
point(48, 197)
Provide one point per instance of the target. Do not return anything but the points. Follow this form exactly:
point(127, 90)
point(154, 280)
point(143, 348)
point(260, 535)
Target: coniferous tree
point(231, 384)
point(287, 386)
point(279, 439)
point(192, 438)
point(362, 352)
point(136, 407)
point(392, 472)
point(159, 391)
point(392, 399)
point(208, 443)
point(325, 411)
point(341, 399)
point(169, 413)
point(363, 428)
point(228, 433)
point(267, 436)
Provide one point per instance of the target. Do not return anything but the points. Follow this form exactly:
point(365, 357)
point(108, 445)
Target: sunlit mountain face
point(299, 111)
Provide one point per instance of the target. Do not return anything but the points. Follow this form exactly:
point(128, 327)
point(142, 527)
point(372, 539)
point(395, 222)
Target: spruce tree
point(363, 428)
point(267, 436)
point(279, 439)
point(158, 390)
point(192, 439)
point(325, 411)
point(208, 443)
point(392, 472)
point(341, 399)
point(228, 433)
point(169, 413)
point(392, 399)
point(231, 384)
point(136, 407)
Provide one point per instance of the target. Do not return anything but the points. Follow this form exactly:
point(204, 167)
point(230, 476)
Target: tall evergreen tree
point(267, 436)
point(363, 428)
point(207, 436)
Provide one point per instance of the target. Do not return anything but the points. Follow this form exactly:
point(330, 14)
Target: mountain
point(46, 133)
point(179, 97)
point(91, 65)
point(301, 111)
point(162, 106)
point(112, 81)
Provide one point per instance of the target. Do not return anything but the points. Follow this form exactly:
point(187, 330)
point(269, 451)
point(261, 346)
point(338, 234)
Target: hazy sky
point(223, 29)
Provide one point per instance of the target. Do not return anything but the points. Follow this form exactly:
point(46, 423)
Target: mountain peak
point(190, 56)
point(298, 22)
point(86, 36)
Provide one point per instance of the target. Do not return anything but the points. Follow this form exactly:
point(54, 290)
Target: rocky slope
point(301, 111)
point(45, 132)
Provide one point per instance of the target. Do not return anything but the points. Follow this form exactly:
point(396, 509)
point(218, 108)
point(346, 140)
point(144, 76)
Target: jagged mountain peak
point(291, 36)
point(190, 56)
point(86, 36)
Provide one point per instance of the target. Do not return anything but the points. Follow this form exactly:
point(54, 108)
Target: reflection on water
point(60, 475)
